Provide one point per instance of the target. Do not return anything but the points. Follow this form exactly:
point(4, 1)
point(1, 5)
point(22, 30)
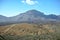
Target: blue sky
point(15, 7)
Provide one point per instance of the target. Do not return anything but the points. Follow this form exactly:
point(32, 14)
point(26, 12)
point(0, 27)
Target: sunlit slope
point(26, 29)
point(50, 31)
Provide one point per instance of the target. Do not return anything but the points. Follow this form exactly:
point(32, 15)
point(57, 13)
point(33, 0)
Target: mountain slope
point(27, 31)
point(32, 16)
point(3, 18)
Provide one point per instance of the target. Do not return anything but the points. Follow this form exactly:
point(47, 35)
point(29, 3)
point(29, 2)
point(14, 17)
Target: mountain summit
point(35, 12)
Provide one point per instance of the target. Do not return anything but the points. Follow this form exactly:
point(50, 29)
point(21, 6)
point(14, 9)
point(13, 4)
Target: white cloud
point(23, 1)
point(30, 2)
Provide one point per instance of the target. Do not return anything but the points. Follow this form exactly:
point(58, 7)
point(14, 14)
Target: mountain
point(31, 16)
point(28, 29)
point(3, 18)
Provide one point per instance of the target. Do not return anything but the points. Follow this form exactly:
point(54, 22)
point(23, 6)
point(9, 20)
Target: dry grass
point(29, 29)
point(26, 29)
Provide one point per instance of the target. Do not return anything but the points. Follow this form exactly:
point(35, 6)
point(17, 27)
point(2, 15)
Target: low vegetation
point(30, 31)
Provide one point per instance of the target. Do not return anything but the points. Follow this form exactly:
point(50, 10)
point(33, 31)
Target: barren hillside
point(27, 31)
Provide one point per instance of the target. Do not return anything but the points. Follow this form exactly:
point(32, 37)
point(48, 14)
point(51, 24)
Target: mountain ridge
point(31, 16)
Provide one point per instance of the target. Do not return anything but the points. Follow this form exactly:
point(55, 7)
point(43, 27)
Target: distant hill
point(31, 16)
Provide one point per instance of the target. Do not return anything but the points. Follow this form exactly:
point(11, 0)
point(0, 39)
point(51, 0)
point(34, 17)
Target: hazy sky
point(15, 7)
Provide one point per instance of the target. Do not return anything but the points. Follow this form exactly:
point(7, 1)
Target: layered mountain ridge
point(30, 16)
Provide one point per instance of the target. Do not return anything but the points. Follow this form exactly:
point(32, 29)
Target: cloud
point(29, 2)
